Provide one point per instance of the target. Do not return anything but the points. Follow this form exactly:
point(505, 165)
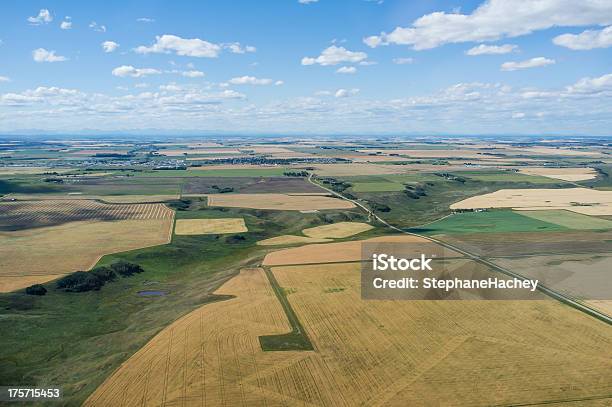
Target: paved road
point(548, 291)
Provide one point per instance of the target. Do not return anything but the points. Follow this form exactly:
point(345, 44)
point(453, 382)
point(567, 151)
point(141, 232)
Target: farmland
point(337, 230)
point(263, 265)
point(38, 238)
point(278, 202)
point(502, 221)
point(186, 364)
point(581, 200)
point(209, 226)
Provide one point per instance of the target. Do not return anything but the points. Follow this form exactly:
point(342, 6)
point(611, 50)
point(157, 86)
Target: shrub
point(104, 273)
point(80, 281)
point(36, 289)
point(126, 269)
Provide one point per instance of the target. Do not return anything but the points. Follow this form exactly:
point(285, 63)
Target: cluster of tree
point(222, 190)
point(450, 177)
point(295, 173)
point(235, 239)
point(82, 281)
point(378, 207)
point(334, 184)
point(36, 289)
point(54, 180)
point(180, 204)
point(415, 191)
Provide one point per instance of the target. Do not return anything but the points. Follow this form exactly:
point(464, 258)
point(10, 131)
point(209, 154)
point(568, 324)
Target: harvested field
point(581, 200)
point(570, 220)
point(30, 170)
point(278, 201)
point(337, 230)
point(17, 215)
point(566, 174)
point(583, 276)
point(400, 353)
point(342, 251)
point(290, 240)
point(211, 356)
point(38, 255)
point(209, 226)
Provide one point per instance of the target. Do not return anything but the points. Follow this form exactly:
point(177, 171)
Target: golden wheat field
point(337, 230)
point(581, 200)
point(367, 353)
point(566, 174)
point(278, 202)
point(210, 357)
point(40, 241)
point(209, 226)
point(344, 251)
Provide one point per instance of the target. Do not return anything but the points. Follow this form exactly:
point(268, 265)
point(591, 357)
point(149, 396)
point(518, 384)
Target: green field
point(377, 187)
point(506, 176)
point(487, 222)
point(569, 219)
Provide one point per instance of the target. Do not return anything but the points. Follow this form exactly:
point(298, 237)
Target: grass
point(569, 219)
point(487, 222)
point(506, 176)
point(297, 339)
point(377, 187)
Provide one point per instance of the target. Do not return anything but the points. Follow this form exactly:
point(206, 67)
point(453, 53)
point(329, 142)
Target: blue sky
point(309, 67)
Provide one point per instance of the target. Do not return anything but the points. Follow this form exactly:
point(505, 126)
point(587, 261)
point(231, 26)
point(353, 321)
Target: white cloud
point(279, 83)
point(518, 115)
point(250, 80)
point(128, 70)
point(141, 85)
point(588, 39)
point(344, 93)
point(530, 63)
point(307, 1)
point(334, 55)
point(145, 20)
point(403, 61)
point(97, 27)
point(4, 79)
point(495, 19)
point(191, 47)
point(592, 85)
point(42, 55)
point(236, 48)
point(483, 49)
point(109, 46)
point(193, 74)
point(66, 24)
point(44, 17)
point(346, 69)
point(323, 93)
